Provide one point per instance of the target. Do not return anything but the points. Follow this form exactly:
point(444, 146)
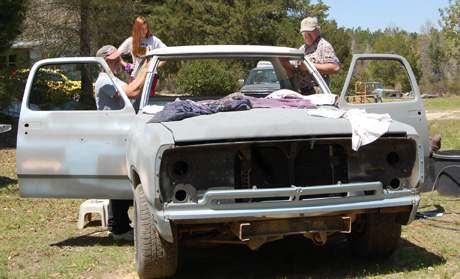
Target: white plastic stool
point(93, 206)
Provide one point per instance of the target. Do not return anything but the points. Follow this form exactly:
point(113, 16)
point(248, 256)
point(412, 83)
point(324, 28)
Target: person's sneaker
point(129, 236)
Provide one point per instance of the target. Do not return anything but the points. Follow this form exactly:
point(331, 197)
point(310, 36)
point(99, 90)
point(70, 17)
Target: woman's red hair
point(136, 34)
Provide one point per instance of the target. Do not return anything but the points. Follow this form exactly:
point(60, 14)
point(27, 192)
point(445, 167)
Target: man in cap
point(108, 98)
point(319, 51)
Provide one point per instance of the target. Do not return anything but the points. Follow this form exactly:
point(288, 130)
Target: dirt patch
point(454, 114)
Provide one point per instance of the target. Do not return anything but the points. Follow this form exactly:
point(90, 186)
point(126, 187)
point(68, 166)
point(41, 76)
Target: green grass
point(449, 128)
point(442, 104)
point(39, 238)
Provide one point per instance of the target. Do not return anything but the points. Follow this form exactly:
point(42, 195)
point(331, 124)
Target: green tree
point(287, 28)
point(79, 27)
point(12, 14)
point(437, 56)
point(53, 26)
point(340, 40)
point(266, 22)
point(450, 23)
point(70, 27)
point(402, 44)
point(112, 24)
point(191, 22)
point(363, 40)
point(256, 22)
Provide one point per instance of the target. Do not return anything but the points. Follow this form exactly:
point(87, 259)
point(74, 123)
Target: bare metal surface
point(242, 176)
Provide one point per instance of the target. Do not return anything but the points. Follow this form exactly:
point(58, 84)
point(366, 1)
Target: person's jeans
point(118, 221)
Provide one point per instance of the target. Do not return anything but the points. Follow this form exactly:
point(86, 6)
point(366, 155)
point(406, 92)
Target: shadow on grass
point(6, 181)
point(298, 258)
point(290, 258)
point(94, 238)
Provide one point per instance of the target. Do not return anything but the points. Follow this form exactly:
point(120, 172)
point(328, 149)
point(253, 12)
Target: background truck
point(384, 92)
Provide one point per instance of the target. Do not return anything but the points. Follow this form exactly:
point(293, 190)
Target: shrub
point(441, 88)
point(207, 77)
point(10, 89)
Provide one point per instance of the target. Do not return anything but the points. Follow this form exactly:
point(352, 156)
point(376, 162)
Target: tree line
point(80, 27)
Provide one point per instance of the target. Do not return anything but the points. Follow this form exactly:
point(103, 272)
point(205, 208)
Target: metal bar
point(267, 228)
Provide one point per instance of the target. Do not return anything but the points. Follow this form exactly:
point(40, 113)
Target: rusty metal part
point(255, 243)
point(249, 230)
point(318, 238)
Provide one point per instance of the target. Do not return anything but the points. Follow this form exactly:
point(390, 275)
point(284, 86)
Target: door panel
point(66, 148)
point(383, 83)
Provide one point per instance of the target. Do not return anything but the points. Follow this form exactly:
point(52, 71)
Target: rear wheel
point(155, 257)
point(374, 235)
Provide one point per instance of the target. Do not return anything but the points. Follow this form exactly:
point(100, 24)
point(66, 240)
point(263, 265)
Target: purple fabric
point(128, 68)
point(179, 110)
point(231, 102)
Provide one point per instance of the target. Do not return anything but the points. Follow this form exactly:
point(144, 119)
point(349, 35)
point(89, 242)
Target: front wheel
point(374, 235)
point(155, 257)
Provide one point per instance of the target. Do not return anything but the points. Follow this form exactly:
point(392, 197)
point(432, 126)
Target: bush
point(441, 88)
point(206, 77)
point(10, 89)
point(166, 83)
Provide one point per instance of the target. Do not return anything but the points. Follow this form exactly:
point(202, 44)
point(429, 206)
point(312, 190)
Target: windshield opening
point(200, 78)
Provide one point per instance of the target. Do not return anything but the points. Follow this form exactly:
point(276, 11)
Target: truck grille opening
point(293, 164)
point(187, 172)
point(252, 165)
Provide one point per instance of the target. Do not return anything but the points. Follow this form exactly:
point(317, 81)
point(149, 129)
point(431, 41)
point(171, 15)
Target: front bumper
point(216, 205)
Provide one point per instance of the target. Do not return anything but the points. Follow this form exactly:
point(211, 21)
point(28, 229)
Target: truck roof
point(227, 51)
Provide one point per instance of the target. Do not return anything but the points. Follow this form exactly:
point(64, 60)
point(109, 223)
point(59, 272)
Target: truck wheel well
point(135, 179)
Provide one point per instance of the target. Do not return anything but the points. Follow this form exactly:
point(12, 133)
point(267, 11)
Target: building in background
point(21, 55)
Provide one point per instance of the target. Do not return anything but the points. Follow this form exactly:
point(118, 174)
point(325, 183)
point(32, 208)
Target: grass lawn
point(449, 128)
point(39, 238)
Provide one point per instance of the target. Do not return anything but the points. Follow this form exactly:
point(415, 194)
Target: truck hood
point(261, 123)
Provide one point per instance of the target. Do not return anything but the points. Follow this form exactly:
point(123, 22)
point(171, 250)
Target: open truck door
point(393, 71)
point(66, 148)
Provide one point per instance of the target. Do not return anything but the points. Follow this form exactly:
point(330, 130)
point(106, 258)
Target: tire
point(374, 235)
point(155, 257)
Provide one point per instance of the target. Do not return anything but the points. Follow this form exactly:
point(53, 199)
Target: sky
point(409, 15)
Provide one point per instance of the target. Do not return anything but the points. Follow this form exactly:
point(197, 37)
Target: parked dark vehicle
point(262, 80)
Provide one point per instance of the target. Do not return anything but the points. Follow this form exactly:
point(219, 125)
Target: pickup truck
point(384, 92)
point(261, 80)
point(230, 168)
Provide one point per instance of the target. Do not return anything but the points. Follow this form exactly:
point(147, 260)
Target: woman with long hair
point(140, 42)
